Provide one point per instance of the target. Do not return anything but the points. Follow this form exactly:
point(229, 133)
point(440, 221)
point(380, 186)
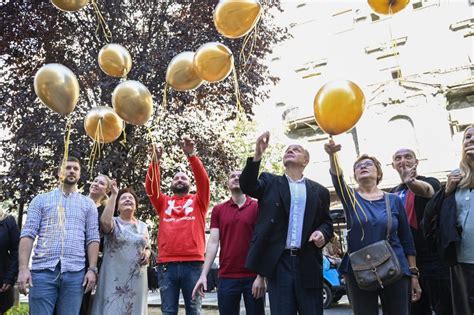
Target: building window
point(344, 21)
point(420, 4)
point(312, 68)
point(374, 17)
point(397, 73)
point(401, 134)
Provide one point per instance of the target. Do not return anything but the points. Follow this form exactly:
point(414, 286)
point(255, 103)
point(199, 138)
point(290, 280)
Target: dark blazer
point(9, 239)
point(440, 226)
point(269, 235)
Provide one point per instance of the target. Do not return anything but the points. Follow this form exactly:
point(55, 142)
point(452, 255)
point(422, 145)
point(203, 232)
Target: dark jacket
point(9, 239)
point(270, 233)
point(440, 226)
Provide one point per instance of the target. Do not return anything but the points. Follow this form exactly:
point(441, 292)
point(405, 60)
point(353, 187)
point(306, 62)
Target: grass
point(21, 309)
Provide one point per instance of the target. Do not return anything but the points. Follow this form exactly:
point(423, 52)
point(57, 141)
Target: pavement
point(209, 304)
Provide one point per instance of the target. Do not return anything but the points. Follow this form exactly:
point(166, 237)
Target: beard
point(182, 189)
point(236, 191)
point(70, 182)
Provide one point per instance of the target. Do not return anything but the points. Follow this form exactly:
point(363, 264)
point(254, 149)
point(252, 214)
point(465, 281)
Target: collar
point(60, 191)
point(233, 204)
point(301, 180)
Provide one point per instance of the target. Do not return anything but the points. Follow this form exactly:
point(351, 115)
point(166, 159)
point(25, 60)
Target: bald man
point(415, 191)
point(181, 241)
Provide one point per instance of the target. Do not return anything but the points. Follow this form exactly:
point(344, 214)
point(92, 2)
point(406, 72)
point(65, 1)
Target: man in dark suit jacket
point(293, 225)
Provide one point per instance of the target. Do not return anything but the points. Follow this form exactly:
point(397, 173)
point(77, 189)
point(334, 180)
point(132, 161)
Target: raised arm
point(199, 172)
point(345, 193)
point(152, 181)
point(249, 182)
point(331, 149)
point(107, 218)
point(419, 187)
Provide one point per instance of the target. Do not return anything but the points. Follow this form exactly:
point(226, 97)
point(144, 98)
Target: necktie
point(410, 208)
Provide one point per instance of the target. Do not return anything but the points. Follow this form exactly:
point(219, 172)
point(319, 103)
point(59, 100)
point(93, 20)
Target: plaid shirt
point(59, 240)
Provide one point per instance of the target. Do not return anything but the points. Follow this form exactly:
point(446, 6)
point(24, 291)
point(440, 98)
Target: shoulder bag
point(376, 265)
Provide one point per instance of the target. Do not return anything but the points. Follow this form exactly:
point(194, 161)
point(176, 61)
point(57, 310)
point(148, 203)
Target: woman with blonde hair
point(449, 226)
point(98, 192)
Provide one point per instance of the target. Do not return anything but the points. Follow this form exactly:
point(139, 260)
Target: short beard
point(69, 183)
point(180, 191)
point(236, 191)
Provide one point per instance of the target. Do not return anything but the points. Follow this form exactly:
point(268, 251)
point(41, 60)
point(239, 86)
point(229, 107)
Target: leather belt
point(291, 251)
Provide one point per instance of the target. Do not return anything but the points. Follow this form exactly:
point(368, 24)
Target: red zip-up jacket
point(182, 219)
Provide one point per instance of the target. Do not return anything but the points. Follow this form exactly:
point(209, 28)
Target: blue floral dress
point(122, 288)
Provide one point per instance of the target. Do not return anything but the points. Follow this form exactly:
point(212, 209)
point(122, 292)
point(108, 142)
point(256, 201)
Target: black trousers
point(395, 298)
point(286, 293)
point(462, 288)
point(435, 296)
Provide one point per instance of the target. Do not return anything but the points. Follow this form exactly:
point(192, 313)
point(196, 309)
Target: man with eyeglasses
point(415, 191)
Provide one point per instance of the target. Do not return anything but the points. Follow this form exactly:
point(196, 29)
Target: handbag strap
point(389, 215)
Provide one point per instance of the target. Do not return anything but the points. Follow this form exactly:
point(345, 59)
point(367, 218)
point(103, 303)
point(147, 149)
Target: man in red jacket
point(181, 241)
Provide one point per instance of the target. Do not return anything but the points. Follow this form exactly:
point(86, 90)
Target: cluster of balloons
point(57, 87)
point(338, 105)
point(213, 62)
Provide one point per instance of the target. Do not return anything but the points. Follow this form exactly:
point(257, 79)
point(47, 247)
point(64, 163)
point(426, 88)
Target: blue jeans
point(176, 276)
point(228, 297)
point(52, 288)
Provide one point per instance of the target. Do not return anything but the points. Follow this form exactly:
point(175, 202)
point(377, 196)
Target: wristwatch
point(415, 272)
point(93, 269)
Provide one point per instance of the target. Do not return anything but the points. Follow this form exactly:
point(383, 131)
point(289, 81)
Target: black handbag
point(376, 265)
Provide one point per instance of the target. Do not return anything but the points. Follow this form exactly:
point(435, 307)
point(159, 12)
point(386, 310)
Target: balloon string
point(67, 136)
point(124, 140)
point(161, 112)
point(96, 146)
point(252, 38)
point(154, 162)
point(60, 222)
point(237, 91)
point(351, 193)
point(101, 23)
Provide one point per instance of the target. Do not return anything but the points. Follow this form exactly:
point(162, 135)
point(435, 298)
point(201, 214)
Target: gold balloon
point(103, 124)
point(213, 62)
point(69, 5)
point(57, 87)
point(236, 18)
point(388, 6)
point(338, 105)
point(180, 73)
point(115, 60)
point(132, 101)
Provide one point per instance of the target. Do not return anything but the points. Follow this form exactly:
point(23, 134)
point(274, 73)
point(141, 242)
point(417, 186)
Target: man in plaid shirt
point(64, 223)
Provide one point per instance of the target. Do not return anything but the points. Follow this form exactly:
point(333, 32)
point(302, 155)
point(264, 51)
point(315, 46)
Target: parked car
point(334, 287)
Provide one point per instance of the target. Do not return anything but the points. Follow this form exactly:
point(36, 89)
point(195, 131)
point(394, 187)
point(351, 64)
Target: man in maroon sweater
point(232, 224)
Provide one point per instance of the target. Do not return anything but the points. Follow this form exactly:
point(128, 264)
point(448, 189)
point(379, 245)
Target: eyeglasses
point(365, 164)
